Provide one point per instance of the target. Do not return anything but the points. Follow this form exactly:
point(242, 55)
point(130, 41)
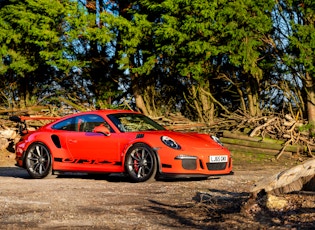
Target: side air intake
point(56, 141)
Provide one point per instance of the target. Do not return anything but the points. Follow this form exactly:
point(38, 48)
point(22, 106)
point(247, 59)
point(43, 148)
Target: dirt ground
point(78, 201)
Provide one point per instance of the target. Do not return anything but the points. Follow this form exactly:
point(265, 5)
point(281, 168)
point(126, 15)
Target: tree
point(54, 48)
point(197, 39)
point(300, 30)
point(97, 50)
point(31, 49)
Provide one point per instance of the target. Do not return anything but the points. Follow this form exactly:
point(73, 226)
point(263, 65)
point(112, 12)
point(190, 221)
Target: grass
point(259, 160)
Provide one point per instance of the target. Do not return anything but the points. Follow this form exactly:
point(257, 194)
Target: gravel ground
point(78, 201)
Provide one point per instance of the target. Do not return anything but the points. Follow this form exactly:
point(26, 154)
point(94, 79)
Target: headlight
point(170, 142)
point(216, 139)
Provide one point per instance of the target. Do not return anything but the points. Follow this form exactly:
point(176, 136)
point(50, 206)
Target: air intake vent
point(141, 135)
point(56, 141)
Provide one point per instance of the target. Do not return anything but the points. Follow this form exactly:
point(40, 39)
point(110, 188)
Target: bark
point(253, 98)
point(242, 100)
point(310, 87)
point(24, 93)
point(196, 103)
point(207, 106)
point(289, 180)
point(140, 104)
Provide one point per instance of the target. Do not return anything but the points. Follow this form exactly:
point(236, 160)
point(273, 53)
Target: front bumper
point(184, 163)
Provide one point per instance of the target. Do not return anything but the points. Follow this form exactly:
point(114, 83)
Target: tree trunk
point(196, 103)
point(253, 98)
point(140, 104)
point(310, 87)
point(24, 94)
point(207, 106)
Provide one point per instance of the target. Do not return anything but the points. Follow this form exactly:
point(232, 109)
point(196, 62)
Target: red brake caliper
point(136, 163)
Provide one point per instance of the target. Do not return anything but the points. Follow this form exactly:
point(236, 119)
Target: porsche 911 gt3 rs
point(119, 141)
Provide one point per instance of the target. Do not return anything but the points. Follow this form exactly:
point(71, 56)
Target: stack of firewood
point(291, 130)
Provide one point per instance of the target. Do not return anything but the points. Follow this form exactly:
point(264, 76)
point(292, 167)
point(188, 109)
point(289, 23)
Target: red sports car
point(120, 141)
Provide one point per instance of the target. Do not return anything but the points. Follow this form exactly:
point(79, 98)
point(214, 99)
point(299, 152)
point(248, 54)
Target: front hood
point(189, 140)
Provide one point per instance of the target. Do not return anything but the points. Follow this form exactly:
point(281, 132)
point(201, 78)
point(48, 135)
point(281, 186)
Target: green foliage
point(178, 55)
point(196, 40)
point(44, 44)
point(306, 127)
point(302, 39)
point(30, 33)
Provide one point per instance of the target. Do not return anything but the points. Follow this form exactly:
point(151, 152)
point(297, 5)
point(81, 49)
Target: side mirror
point(102, 129)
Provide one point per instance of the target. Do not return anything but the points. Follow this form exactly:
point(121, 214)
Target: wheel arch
point(38, 142)
point(38, 165)
point(154, 150)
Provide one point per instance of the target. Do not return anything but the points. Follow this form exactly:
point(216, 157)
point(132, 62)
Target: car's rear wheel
point(38, 161)
point(141, 163)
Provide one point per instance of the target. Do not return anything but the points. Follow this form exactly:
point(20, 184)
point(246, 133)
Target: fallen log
point(186, 127)
point(257, 151)
point(241, 136)
point(262, 144)
point(293, 179)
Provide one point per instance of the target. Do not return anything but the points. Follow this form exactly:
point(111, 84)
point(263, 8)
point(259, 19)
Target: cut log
point(293, 179)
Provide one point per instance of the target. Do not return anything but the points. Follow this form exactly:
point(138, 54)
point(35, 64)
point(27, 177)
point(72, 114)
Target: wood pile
point(8, 134)
point(177, 122)
point(279, 135)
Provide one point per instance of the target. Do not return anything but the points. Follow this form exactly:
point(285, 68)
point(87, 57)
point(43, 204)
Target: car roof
point(108, 111)
point(102, 112)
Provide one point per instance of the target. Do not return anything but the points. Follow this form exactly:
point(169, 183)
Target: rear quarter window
point(68, 125)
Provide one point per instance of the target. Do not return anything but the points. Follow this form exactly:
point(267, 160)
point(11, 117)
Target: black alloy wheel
point(38, 161)
point(141, 163)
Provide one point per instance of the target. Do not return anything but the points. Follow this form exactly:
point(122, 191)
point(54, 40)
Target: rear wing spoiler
point(21, 121)
point(36, 118)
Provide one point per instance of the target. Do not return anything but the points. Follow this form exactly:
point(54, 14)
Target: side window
point(68, 125)
point(87, 123)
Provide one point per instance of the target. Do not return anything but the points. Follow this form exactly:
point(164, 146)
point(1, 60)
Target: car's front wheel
point(141, 163)
point(38, 161)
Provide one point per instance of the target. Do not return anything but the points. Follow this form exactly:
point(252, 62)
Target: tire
point(141, 163)
point(38, 161)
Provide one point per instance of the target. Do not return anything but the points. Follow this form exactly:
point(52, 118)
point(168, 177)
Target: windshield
point(129, 122)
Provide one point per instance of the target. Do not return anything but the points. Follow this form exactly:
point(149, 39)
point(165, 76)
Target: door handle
point(73, 141)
